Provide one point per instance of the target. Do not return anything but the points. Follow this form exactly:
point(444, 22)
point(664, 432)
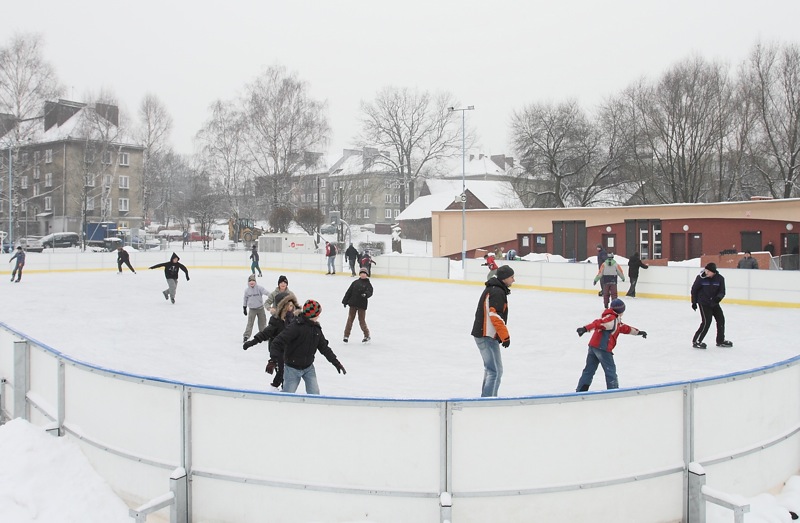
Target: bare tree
point(416, 127)
point(309, 219)
point(772, 75)
point(26, 81)
point(283, 125)
point(154, 130)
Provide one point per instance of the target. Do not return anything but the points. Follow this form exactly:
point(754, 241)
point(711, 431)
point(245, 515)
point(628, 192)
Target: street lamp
point(463, 185)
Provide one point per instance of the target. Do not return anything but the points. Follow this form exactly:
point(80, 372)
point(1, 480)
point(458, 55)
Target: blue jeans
point(593, 358)
point(331, 264)
point(292, 376)
point(492, 365)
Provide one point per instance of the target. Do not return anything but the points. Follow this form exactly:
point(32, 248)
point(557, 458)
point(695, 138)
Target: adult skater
point(20, 257)
point(284, 314)
point(283, 286)
point(254, 265)
point(351, 255)
point(330, 252)
point(708, 290)
point(602, 256)
point(634, 264)
point(356, 297)
point(490, 328)
point(123, 257)
point(171, 269)
point(253, 306)
point(601, 346)
point(366, 262)
point(298, 343)
point(607, 276)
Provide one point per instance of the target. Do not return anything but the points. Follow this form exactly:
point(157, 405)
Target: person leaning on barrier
point(748, 262)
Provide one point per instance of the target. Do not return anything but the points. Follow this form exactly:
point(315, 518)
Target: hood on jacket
point(282, 301)
point(174, 257)
point(494, 281)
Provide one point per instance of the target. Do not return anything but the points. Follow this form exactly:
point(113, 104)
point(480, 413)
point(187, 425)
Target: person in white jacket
point(253, 306)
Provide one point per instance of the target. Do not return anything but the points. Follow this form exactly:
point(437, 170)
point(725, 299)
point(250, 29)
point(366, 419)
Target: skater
point(20, 257)
point(708, 290)
point(356, 297)
point(283, 286)
point(511, 255)
point(123, 258)
point(254, 266)
point(607, 276)
point(171, 269)
point(330, 252)
point(490, 328)
point(601, 346)
point(253, 306)
point(602, 256)
point(634, 264)
point(491, 264)
point(366, 262)
point(296, 346)
point(748, 262)
point(284, 315)
point(351, 255)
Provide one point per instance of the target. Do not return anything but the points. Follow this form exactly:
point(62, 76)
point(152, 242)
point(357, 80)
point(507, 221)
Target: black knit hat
point(311, 309)
point(284, 279)
point(504, 272)
point(711, 267)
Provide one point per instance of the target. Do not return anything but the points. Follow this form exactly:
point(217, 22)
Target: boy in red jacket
point(601, 346)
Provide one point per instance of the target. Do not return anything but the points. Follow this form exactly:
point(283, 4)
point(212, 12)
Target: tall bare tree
point(284, 125)
point(772, 75)
point(417, 128)
point(155, 125)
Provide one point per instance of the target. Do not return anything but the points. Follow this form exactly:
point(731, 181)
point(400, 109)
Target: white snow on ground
point(421, 348)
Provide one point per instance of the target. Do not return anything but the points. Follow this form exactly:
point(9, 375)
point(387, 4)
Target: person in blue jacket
point(20, 257)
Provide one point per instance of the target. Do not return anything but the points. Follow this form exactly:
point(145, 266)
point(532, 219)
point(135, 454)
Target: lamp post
point(463, 184)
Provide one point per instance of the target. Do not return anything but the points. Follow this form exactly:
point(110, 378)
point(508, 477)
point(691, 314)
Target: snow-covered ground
point(421, 348)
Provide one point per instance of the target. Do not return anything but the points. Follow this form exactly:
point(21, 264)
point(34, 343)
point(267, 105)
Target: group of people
point(365, 261)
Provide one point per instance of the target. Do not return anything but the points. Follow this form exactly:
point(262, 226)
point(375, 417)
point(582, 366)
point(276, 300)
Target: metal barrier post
point(21, 377)
point(179, 485)
point(697, 503)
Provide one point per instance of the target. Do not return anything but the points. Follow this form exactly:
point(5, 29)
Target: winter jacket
point(299, 342)
point(609, 271)
point(358, 293)
point(272, 295)
point(491, 315)
point(171, 268)
point(254, 296)
point(123, 256)
point(634, 263)
point(330, 249)
point(490, 263)
point(366, 260)
point(254, 256)
point(351, 254)
point(708, 291)
point(747, 263)
point(20, 256)
point(606, 329)
point(602, 256)
point(278, 322)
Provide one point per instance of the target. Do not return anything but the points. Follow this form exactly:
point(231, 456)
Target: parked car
point(61, 239)
point(195, 236)
point(328, 229)
point(216, 234)
point(29, 244)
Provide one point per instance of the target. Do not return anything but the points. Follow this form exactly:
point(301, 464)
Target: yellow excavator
point(243, 230)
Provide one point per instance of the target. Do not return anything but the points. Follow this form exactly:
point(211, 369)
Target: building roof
point(358, 161)
point(493, 194)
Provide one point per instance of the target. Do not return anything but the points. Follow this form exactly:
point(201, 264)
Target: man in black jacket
point(634, 264)
point(171, 269)
point(356, 297)
point(123, 257)
point(490, 330)
point(351, 254)
point(297, 345)
point(708, 291)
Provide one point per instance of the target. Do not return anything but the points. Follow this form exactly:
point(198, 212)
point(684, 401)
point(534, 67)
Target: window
point(124, 182)
point(89, 181)
point(107, 179)
point(123, 205)
point(48, 179)
point(24, 158)
point(106, 157)
point(48, 156)
point(88, 156)
point(396, 198)
point(37, 172)
point(123, 225)
point(315, 197)
point(36, 156)
point(322, 183)
point(358, 198)
point(396, 213)
point(23, 182)
point(302, 198)
point(324, 197)
point(48, 203)
point(123, 159)
point(358, 213)
point(24, 206)
point(105, 205)
point(366, 198)
point(366, 213)
point(387, 198)
point(36, 190)
point(90, 203)
point(387, 213)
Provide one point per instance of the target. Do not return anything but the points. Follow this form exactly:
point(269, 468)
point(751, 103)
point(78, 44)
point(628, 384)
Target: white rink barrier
point(253, 456)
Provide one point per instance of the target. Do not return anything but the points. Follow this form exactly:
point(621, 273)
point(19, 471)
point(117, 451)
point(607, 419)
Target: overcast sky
point(498, 56)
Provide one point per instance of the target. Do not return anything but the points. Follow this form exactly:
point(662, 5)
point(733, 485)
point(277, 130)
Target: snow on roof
point(357, 163)
point(493, 194)
point(475, 165)
point(76, 128)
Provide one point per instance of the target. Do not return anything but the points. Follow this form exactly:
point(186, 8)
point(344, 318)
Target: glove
point(344, 305)
point(581, 331)
point(187, 278)
point(694, 306)
point(506, 343)
point(623, 278)
point(244, 310)
point(339, 367)
point(246, 345)
point(270, 366)
point(594, 282)
point(643, 334)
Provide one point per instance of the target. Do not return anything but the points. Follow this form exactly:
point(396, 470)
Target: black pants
point(126, 262)
point(632, 290)
point(352, 264)
point(707, 313)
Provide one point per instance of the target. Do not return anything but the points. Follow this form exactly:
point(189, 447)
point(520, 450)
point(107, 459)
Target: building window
point(106, 157)
point(89, 181)
point(123, 159)
point(323, 183)
point(48, 179)
point(366, 198)
point(90, 203)
point(48, 156)
point(366, 213)
point(303, 198)
point(387, 198)
point(23, 182)
point(48, 203)
point(396, 213)
point(396, 198)
point(37, 172)
point(107, 179)
point(315, 197)
point(36, 190)
point(123, 205)
point(36, 156)
point(24, 158)
point(124, 182)
point(324, 197)
point(358, 198)
point(387, 213)
point(105, 205)
point(24, 206)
